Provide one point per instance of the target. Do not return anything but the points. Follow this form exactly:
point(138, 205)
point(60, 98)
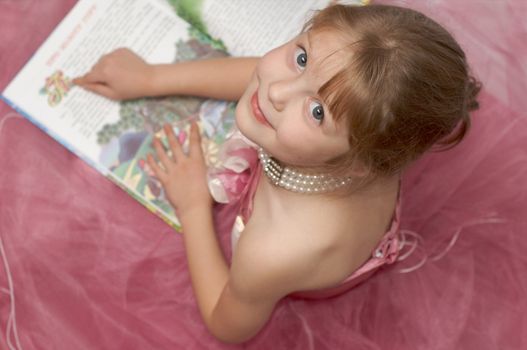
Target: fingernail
point(182, 137)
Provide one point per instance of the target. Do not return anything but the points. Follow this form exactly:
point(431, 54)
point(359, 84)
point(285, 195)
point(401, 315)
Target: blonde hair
point(405, 87)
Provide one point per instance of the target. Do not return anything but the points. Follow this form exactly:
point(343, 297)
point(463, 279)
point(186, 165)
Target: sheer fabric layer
point(92, 269)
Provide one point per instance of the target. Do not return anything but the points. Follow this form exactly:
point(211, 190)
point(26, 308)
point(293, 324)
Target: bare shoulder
point(307, 244)
point(269, 264)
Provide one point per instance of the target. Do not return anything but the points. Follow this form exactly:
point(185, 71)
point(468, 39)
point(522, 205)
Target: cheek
point(298, 143)
point(270, 62)
point(302, 145)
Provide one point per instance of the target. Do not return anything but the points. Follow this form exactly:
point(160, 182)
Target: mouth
point(257, 112)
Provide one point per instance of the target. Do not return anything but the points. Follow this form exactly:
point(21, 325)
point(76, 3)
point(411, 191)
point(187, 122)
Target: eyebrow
point(309, 40)
point(309, 49)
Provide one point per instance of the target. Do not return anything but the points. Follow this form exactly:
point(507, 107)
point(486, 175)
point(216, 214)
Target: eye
point(301, 57)
point(317, 111)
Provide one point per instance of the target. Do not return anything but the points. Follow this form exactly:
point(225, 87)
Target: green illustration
point(190, 11)
point(126, 143)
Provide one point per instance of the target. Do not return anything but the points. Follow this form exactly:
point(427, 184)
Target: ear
point(359, 169)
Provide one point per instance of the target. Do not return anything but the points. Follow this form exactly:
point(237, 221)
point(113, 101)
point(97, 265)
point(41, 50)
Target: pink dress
point(237, 180)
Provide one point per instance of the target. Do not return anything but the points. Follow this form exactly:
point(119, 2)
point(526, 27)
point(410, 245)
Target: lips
point(257, 112)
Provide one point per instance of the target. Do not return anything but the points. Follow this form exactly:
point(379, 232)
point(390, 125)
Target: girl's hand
point(184, 177)
point(118, 75)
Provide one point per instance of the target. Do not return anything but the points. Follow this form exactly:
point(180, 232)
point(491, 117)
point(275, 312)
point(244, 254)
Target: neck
point(296, 181)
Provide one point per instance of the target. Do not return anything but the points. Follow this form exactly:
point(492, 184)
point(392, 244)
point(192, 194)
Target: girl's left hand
point(184, 177)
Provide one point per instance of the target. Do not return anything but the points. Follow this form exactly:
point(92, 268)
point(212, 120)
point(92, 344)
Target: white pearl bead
point(296, 181)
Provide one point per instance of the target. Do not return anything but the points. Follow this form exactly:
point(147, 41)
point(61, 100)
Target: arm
point(122, 74)
point(234, 304)
point(264, 270)
point(220, 78)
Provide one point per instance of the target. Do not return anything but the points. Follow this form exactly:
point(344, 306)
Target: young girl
point(334, 116)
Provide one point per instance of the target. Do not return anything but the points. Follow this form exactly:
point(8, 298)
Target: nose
point(280, 92)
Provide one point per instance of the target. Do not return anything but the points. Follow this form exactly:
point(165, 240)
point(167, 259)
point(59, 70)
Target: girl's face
point(281, 110)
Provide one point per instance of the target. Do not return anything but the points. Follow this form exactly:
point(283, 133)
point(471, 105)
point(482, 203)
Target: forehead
point(326, 54)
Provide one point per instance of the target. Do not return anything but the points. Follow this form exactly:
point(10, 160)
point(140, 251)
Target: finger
point(195, 141)
point(175, 146)
point(163, 157)
point(158, 171)
point(78, 80)
point(93, 76)
point(101, 89)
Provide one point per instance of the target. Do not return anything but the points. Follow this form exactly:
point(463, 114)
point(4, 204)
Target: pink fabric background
point(92, 269)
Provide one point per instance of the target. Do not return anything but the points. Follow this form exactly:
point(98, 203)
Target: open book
point(115, 137)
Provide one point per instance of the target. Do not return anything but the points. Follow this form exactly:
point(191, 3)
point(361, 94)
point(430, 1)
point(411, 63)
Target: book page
point(253, 27)
point(94, 27)
point(115, 137)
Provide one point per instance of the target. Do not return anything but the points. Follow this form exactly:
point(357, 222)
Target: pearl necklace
point(295, 181)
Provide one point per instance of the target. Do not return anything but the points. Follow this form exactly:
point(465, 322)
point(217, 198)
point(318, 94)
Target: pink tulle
point(90, 268)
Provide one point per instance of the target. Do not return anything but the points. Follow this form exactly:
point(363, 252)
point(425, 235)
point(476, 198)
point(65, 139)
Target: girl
point(335, 116)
